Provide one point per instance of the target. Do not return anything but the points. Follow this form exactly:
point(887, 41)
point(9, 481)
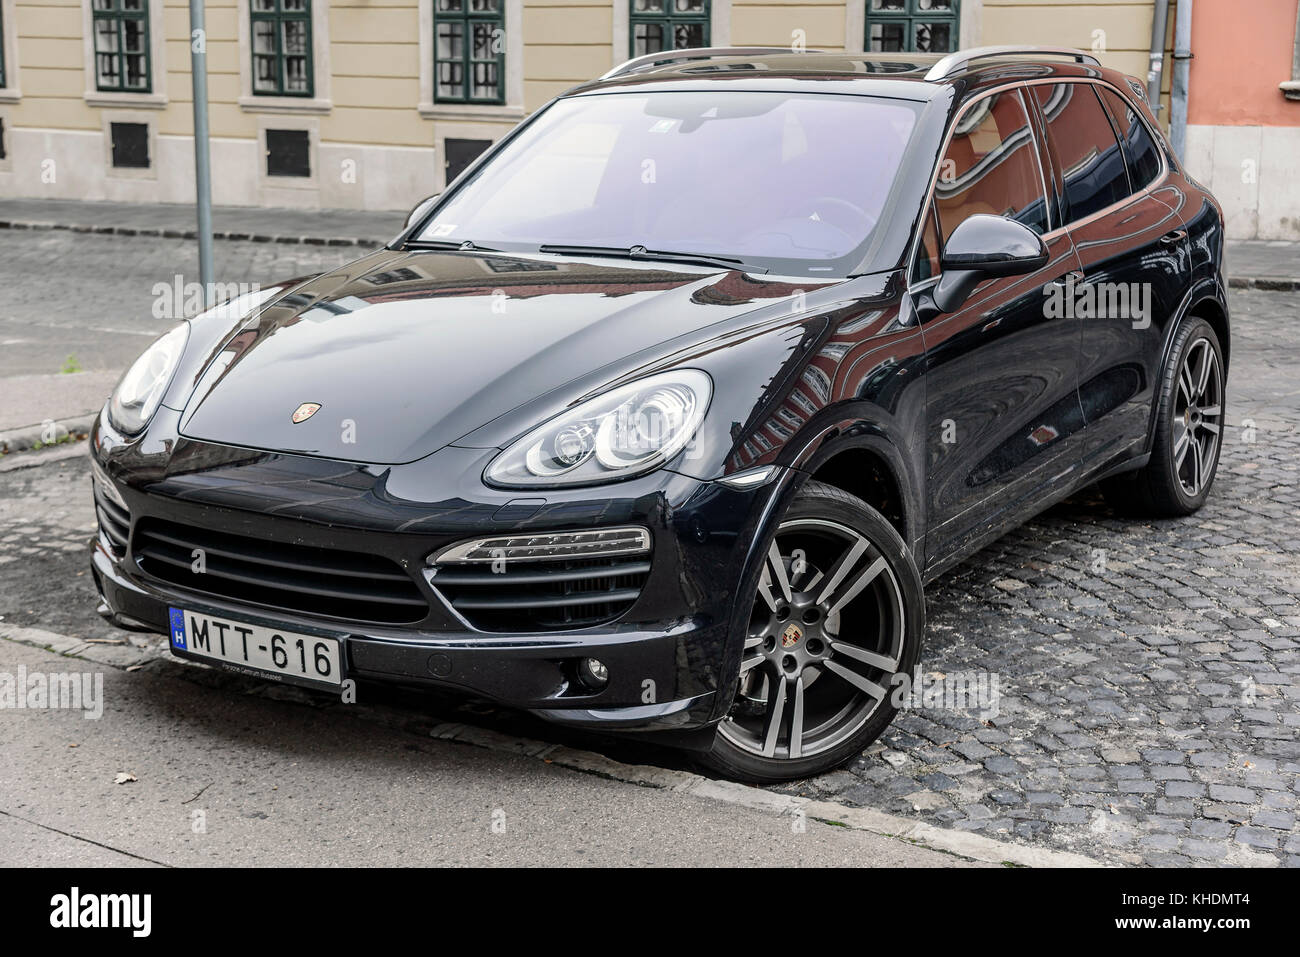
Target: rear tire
point(838, 612)
point(1189, 431)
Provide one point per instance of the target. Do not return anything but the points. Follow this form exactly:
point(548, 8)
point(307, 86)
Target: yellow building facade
point(372, 104)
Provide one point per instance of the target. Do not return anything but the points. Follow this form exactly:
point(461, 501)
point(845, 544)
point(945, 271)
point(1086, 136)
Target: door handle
point(1074, 276)
point(1177, 236)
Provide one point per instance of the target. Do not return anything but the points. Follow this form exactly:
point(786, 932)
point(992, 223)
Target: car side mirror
point(982, 247)
point(421, 208)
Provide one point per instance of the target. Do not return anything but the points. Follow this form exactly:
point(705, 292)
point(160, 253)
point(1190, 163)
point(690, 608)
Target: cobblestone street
point(1149, 671)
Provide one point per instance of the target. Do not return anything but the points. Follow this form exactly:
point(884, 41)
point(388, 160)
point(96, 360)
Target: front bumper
point(531, 672)
point(671, 657)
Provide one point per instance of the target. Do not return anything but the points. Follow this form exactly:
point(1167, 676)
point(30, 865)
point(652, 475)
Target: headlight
point(137, 395)
point(625, 432)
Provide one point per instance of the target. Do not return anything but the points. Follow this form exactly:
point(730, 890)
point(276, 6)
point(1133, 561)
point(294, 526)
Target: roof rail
point(697, 53)
point(954, 62)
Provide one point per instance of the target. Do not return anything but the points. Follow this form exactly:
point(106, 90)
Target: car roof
point(916, 76)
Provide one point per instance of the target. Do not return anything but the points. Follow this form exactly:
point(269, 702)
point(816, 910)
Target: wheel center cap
point(791, 636)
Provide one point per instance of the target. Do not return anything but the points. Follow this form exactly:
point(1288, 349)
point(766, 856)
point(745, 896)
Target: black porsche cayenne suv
point(660, 417)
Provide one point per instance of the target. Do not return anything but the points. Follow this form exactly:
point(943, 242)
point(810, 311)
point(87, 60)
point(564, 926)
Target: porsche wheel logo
point(305, 412)
point(790, 637)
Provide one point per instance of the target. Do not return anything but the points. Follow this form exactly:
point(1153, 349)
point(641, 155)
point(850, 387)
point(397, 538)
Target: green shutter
point(120, 46)
point(282, 52)
point(469, 61)
point(657, 25)
point(912, 26)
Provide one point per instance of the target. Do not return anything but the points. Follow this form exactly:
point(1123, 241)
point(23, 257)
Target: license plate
point(257, 649)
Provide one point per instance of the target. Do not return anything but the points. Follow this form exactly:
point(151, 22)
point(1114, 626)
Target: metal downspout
point(1182, 65)
point(1156, 61)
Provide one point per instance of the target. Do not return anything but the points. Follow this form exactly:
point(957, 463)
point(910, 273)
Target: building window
point(130, 145)
point(912, 26)
point(121, 45)
point(469, 51)
point(3, 84)
point(282, 61)
point(288, 153)
point(659, 25)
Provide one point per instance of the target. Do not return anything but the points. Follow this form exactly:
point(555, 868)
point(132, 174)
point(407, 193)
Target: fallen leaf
point(124, 777)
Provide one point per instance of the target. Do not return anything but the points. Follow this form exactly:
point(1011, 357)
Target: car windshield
point(794, 183)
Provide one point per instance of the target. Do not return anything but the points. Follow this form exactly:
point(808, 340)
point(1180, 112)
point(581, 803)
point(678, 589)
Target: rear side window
point(991, 166)
point(1090, 156)
point(1142, 152)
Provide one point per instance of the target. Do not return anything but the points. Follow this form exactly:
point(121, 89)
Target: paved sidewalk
point(291, 781)
point(1258, 263)
point(79, 307)
point(1264, 264)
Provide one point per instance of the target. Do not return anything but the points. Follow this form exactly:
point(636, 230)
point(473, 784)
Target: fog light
point(593, 674)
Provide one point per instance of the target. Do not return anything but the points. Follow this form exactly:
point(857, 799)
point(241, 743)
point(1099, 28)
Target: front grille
point(114, 522)
point(321, 581)
point(558, 591)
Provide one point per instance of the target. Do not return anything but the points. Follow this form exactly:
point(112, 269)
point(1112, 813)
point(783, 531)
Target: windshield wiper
point(467, 245)
point(652, 255)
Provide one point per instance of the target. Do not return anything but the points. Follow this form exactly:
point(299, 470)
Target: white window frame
point(512, 109)
point(10, 92)
point(1291, 88)
point(155, 100)
point(320, 52)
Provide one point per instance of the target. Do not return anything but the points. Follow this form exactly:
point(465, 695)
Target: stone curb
point(158, 231)
point(31, 460)
point(29, 436)
point(1269, 283)
point(974, 847)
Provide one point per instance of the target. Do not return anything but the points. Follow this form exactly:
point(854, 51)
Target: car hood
point(404, 352)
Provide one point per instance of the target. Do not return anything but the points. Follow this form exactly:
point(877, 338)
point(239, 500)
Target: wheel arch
point(833, 450)
point(864, 470)
point(864, 458)
point(1209, 308)
point(1205, 300)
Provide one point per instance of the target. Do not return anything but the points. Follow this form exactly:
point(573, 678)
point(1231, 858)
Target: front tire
point(838, 611)
point(1176, 480)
